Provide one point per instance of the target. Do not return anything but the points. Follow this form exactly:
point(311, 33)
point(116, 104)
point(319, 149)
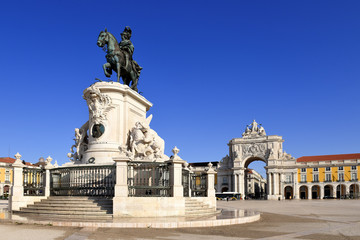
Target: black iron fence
point(199, 185)
point(34, 182)
point(148, 179)
point(186, 181)
point(83, 181)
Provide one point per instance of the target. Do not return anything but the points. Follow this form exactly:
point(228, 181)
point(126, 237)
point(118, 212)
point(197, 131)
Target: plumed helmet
point(127, 32)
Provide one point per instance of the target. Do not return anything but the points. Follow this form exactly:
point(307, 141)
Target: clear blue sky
point(209, 68)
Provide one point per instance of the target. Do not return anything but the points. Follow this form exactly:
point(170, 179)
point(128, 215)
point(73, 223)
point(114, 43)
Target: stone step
point(76, 200)
point(79, 197)
point(65, 204)
point(196, 205)
point(212, 213)
point(63, 212)
point(66, 217)
point(197, 208)
point(80, 207)
point(50, 208)
point(51, 205)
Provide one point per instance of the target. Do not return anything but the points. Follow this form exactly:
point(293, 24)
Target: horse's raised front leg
point(118, 71)
point(107, 66)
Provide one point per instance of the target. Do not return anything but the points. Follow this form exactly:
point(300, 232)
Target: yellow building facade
point(6, 173)
point(328, 176)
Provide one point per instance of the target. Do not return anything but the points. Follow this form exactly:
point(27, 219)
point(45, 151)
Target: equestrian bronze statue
point(119, 57)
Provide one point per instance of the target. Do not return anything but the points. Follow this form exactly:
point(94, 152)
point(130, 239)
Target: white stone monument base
point(154, 206)
point(17, 202)
point(148, 206)
point(274, 197)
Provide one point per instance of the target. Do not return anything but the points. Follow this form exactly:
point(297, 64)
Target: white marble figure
point(247, 131)
point(262, 131)
point(80, 145)
point(254, 127)
point(144, 142)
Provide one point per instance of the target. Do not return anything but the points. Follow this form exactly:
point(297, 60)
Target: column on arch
point(322, 190)
point(241, 183)
point(347, 187)
point(269, 176)
point(334, 191)
point(236, 187)
point(309, 188)
point(281, 187)
point(276, 183)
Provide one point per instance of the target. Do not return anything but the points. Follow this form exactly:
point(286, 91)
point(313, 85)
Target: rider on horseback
point(127, 48)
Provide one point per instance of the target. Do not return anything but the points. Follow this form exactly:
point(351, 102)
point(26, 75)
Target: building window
point(316, 169)
point(316, 178)
point(328, 169)
point(341, 168)
point(7, 171)
point(288, 179)
point(353, 167)
point(353, 176)
point(225, 180)
point(303, 170)
point(341, 177)
point(7, 178)
point(303, 178)
point(328, 177)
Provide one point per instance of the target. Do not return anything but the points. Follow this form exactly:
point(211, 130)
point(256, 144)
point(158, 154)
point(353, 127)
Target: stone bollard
point(210, 180)
point(48, 166)
point(17, 189)
point(121, 191)
point(176, 174)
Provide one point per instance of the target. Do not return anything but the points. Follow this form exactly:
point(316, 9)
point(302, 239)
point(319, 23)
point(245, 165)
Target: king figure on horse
point(119, 57)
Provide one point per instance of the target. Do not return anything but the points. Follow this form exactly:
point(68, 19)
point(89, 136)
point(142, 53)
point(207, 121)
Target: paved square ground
point(295, 219)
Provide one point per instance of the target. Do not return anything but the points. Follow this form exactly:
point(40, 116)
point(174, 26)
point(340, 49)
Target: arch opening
point(328, 192)
point(354, 191)
point(303, 192)
point(288, 192)
point(255, 178)
point(315, 192)
point(341, 191)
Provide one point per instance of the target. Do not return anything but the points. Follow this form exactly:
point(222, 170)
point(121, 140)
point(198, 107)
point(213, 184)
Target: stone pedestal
point(17, 189)
point(113, 111)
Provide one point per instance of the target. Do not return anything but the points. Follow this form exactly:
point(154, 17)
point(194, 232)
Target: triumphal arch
point(255, 145)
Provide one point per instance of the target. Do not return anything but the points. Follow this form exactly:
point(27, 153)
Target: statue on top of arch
point(254, 130)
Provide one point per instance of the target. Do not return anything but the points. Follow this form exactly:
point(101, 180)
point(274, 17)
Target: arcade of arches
point(310, 177)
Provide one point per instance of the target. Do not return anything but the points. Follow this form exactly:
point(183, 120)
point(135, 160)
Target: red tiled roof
point(12, 160)
point(337, 157)
point(7, 160)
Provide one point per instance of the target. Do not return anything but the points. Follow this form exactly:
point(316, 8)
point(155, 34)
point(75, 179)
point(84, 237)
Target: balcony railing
point(303, 181)
point(315, 181)
point(328, 180)
point(354, 180)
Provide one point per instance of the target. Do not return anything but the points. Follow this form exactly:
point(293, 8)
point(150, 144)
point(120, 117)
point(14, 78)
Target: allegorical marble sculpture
point(254, 130)
point(145, 143)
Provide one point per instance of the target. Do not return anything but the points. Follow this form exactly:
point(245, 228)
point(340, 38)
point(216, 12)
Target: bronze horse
point(116, 60)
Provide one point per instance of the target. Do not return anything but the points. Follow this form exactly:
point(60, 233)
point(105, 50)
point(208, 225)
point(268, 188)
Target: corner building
point(328, 176)
point(310, 177)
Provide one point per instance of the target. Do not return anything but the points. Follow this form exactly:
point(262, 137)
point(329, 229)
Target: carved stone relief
point(99, 104)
